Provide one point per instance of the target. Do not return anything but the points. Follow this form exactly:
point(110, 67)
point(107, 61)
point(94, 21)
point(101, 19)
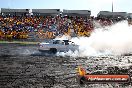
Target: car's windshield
point(58, 42)
point(61, 42)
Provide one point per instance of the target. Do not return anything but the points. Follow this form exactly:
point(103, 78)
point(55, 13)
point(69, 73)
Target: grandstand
point(49, 23)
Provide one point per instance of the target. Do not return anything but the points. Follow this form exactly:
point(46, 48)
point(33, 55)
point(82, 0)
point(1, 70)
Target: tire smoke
point(111, 40)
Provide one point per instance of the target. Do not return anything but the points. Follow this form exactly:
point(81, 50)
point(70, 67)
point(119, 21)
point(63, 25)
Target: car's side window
point(63, 43)
point(66, 43)
point(56, 42)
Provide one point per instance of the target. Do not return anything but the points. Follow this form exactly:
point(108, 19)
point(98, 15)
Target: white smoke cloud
point(117, 39)
point(114, 40)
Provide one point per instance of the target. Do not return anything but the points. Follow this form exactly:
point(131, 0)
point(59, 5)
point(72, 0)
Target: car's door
point(61, 46)
point(72, 46)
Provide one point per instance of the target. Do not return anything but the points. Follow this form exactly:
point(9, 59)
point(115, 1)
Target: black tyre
point(53, 50)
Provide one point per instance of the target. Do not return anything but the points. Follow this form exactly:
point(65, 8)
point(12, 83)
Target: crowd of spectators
point(47, 26)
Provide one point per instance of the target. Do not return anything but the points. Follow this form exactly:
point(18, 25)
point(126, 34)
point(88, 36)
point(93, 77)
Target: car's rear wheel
point(53, 50)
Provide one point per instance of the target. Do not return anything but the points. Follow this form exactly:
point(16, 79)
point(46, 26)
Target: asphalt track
point(23, 66)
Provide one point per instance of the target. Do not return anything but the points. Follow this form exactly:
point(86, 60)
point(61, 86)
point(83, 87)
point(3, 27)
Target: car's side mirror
point(73, 43)
point(63, 43)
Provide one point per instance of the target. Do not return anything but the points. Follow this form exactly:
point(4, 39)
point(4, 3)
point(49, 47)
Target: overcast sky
point(94, 5)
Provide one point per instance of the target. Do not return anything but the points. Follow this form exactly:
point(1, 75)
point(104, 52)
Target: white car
point(58, 46)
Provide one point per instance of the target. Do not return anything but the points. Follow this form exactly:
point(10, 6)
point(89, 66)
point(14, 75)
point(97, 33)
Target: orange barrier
point(23, 36)
point(45, 35)
point(8, 36)
point(50, 35)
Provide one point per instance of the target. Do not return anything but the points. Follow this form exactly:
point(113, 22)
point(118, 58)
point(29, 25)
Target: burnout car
point(58, 46)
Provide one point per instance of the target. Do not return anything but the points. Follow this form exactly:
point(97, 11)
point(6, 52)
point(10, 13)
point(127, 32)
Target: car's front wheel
point(53, 50)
